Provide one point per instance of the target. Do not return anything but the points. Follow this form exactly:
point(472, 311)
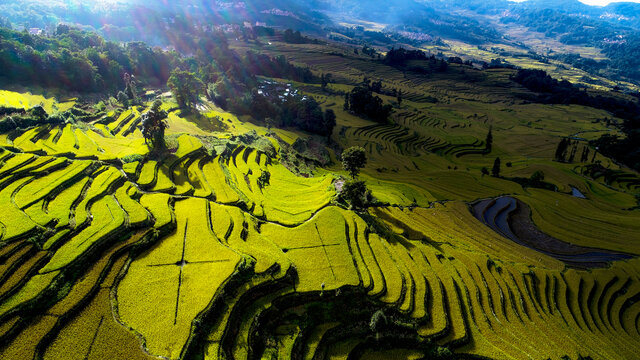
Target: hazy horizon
point(604, 2)
point(595, 2)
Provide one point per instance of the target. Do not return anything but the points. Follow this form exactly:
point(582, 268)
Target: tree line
point(77, 60)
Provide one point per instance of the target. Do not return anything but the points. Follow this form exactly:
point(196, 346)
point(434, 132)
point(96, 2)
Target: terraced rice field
point(190, 255)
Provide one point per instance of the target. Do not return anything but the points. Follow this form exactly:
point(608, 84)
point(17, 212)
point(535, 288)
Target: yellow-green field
point(108, 251)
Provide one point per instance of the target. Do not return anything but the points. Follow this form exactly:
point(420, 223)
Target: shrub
point(132, 158)
point(495, 171)
point(123, 99)
point(101, 106)
point(537, 177)
point(378, 322)
point(264, 179)
point(38, 112)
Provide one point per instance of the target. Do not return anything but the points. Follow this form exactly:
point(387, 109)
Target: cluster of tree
point(325, 80)
point(497, 64)
point(367, 50)
point(277, 67)
point(227, 93)
point(230, 83)
point(154, 125)
point(400, 57)
point(263, 31)
point(76, 60)
point(495, 170)
point(306, 114)
point(295, 37)
point(13, 118)
point(354, 192)
point(624, 149)
point(378, 36)
point(567, 150)
point(362, 102)
point(539, 81)
point(458, 60)
point(185, 87)
point(596, 171)
point(536, 180)
point(375, 86)
point(287, 108)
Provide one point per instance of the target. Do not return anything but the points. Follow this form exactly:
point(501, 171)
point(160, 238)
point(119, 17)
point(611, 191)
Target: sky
point(605, 2)
point(597, 2)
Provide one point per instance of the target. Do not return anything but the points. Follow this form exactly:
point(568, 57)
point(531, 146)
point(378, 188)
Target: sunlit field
point(233, 235)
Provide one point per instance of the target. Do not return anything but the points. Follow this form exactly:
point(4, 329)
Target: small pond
point(511, 218)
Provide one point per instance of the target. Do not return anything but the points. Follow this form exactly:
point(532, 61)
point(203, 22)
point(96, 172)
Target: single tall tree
point(378, 323)
point(495, 171)
point(185, 87)
point(354, 159)
point(123, 99)
point(488, 143)
point(585, 154)
point(574, 149)
point(561, 150)
point(325, 79)
point(154, 125)
point(329, 122)
point(131, 89)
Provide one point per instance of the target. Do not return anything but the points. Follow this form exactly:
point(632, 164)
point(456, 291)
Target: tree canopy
point(362, 102)
point(185, 87)
point(354, 159)
point(154, 125)
point(77, 60)
point(495, 171)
